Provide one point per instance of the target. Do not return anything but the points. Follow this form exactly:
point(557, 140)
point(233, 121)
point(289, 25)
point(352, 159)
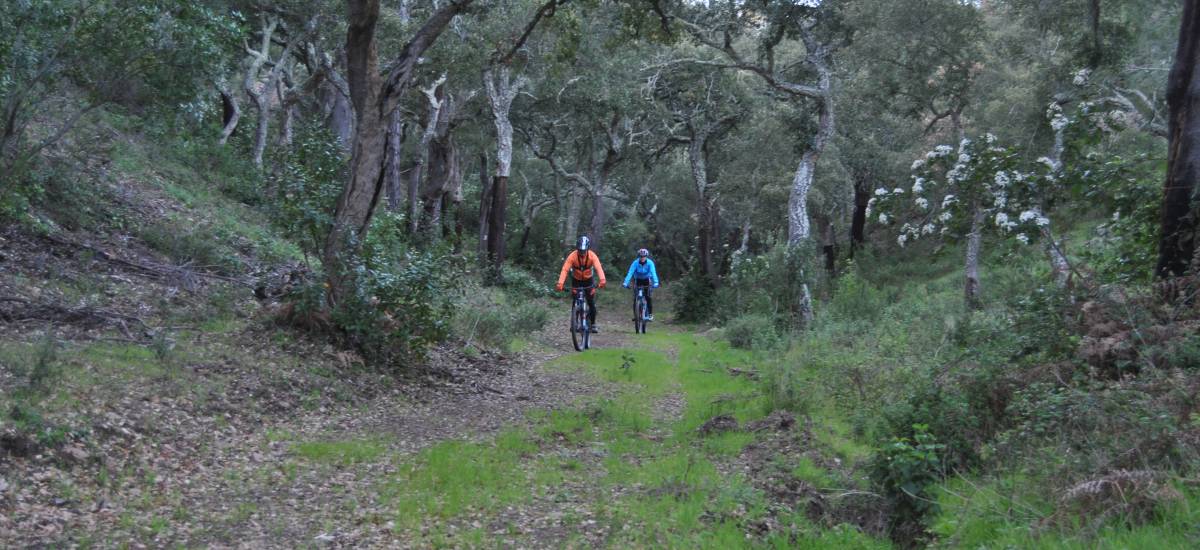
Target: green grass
point(672, 490)
point(341, 452)
point(1007, 512)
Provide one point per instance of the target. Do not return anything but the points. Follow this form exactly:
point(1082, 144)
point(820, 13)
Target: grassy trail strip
point(643, 466)
point(657, 440)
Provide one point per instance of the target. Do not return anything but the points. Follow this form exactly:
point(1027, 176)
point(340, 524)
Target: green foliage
point(202, 247)
point(520, 282)
point(39, 365)
point(307, 184)
point(768, 284)
point(693, 299)
point(498, 326)
point(752, 331)
point(143, 53)
point(1128, 241)
point(905, 471)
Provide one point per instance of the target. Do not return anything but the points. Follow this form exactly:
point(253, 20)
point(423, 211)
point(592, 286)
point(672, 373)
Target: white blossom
point(1058, 122)
point(1000, 201)
point(989, 137)
point(939, 151)
point(927, 229)
point(1042, 221)
point(1027, 215)
point(901, 239)
point(1002, 179)
point(1049, 163)
point(923, 203)
point(964, 158)
point(944, 230)
point(907, 228)
point(880, 192)
point(1116, 216)
point(1021, 237)
point(1001, 219)
point(898, 191)
point(948, 200)
point(945, 216)
point(883, 218)
point(917, 164)
point(918, 185)
point(962, 145)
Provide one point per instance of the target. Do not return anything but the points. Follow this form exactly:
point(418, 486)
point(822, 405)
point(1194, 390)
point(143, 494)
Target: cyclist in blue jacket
point(642, 271)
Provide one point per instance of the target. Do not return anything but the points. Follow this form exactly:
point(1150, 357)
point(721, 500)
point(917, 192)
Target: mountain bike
point(639, 309)
point(581, 330)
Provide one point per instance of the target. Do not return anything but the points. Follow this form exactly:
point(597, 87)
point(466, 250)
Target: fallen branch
point(157, 270)
point(46, 311)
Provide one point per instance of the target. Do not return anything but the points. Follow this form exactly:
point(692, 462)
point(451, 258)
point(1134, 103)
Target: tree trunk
point(1177, 233)
point(858, 220)
point(252, 87)
point(1094, 57)
point(485, 208)
point(829, 246)
point(340, 116)
point(374, 97)
point(971, 290)
point(597, 226)
point(496, 223)
point(799, 229)
point(420, 171)
point(744, 246)
point(706, 215)
point(287, 114)
point(501, 91)
point(392, 174)
point(231, 114)
point(574, 210)
point(1060, 267)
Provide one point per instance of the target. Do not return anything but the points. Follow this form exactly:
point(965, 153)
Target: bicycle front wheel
point(578, 329)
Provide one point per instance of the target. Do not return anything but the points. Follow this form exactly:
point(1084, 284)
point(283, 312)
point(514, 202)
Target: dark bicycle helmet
point(583, 244)
point(642, 253)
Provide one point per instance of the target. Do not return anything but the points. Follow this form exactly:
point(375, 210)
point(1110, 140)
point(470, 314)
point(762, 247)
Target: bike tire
point(639, 317)
point(587, 333)
point(577, 334)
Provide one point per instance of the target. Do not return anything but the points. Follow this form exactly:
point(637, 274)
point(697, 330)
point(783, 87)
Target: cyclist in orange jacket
point(585, 269)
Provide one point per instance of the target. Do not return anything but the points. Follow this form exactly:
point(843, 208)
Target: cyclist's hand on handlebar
point(623, 285)
point(603, 283)
point(559, 287)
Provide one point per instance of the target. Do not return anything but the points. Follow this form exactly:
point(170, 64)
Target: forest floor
point(237, 433)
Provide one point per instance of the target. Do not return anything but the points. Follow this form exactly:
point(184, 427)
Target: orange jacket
point(582, 269)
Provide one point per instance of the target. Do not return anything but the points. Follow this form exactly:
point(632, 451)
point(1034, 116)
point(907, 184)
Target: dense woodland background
point(959, 235)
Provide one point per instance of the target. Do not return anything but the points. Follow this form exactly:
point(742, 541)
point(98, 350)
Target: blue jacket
point(642, 271)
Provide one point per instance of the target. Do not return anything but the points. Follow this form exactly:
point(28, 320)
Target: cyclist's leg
point(649, 298)
point(591, 302)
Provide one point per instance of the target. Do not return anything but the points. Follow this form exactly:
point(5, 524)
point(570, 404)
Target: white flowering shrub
point(950, 185)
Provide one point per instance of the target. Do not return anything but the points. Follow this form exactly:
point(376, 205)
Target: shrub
point(904, 470)
point(855, 299)
point(308, 182)
point(752, 332)
point(768, 284)
point(694, 299)
point(398, 310)
point(519, 282)
point(498, 326)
